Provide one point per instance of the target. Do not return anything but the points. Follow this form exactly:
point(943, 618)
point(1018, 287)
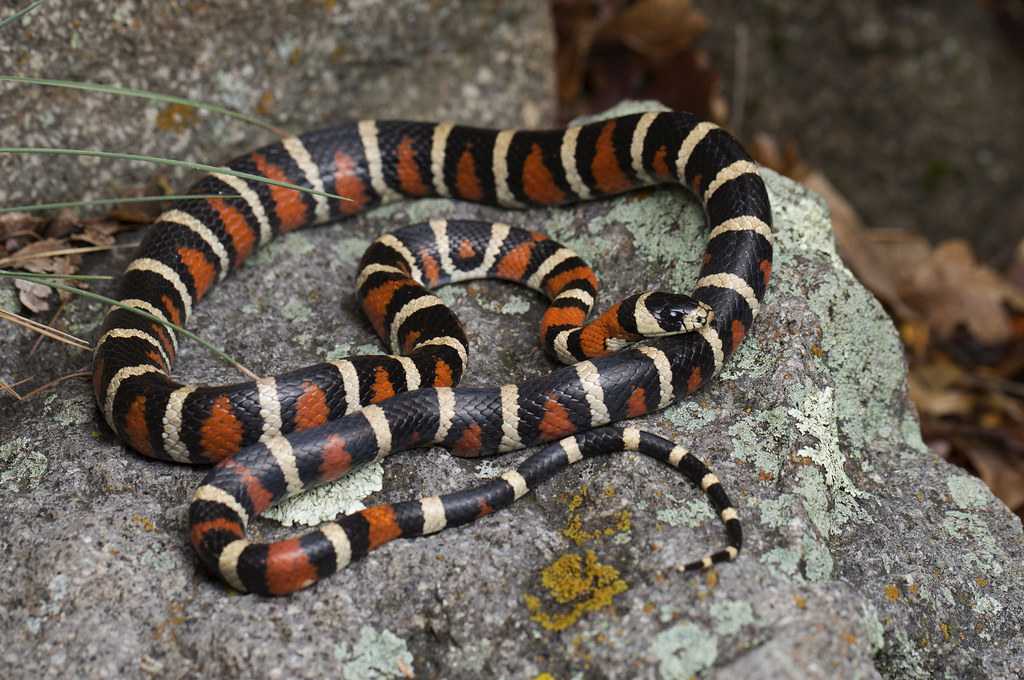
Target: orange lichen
point(574, 529)
point(583, 583)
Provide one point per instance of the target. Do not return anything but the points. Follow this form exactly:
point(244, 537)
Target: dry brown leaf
point(577, 23)
point(656, 29)
point(98, 232)
point(35, 296)
point(65, 222)
point(954, 288)
point(1003, 475)
point(938, 402)
point(686, 81)
point(17, 229)
point(1016, 271)
point(44, 246)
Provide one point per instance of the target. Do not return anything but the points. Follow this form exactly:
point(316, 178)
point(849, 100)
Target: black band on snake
point(278, 436)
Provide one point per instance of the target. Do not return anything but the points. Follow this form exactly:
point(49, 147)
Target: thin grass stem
point(152, 96)
point(19, 14)
point(35, 207)
point(223, 356)
point(202, 167)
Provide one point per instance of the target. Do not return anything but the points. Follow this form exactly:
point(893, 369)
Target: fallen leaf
point(939, 402)
point(1016, 272)
point(35, 296)
point(65, 222)
point(1003, 475)
point(954, 288)
point(656, 29)
point(99, 232)
point(17, 229)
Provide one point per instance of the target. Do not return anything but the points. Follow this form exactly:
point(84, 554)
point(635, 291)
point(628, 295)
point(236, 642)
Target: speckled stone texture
point(299, 63)
point(866, 556)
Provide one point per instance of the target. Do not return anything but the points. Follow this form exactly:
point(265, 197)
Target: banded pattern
point(222, 507)
point(376, 161)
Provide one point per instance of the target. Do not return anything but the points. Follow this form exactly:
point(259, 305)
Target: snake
point(275, 437)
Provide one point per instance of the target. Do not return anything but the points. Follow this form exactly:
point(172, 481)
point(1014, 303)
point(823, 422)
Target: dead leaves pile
point(610, 50)
point(54, 246)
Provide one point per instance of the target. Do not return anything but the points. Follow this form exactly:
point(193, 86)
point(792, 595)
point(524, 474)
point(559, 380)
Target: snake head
point(661, 314)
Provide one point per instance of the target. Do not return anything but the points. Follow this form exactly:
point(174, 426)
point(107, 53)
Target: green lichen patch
point(812, 560)
point(349, 249)
point(969, 493)
point(376, 655)
point(690, 416)
point(693, 513)
point(775, 512)
point(327, 502)
point(296, 311)
point(342, 350)
point(728, 616)
point(22, 464)
point(762, 440)
point(510, 304)
point(816, 418)
point(981, 550)
point(683, 650)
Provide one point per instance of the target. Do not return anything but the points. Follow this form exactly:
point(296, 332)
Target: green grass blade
point(110, 201)
point(69, 277)
point(20, 13)
point(223, 356)
point(219, 170)
point(146, 94)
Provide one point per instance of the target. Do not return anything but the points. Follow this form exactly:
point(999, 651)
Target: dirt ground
point(915, 110)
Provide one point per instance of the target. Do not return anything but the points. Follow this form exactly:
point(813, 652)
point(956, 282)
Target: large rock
point(298, 64)
point(866, 555)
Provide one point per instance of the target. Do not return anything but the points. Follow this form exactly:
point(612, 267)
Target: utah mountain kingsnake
point(245, 428)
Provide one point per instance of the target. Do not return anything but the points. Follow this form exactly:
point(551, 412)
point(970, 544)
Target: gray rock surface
point(866, 556)
point(299, 64)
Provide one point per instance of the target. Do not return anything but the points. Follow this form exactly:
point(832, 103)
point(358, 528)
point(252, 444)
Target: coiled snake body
point(277, 436)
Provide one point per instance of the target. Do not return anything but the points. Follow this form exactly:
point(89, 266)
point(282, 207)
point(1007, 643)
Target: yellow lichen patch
point(800, 601)
point(981, 581)
point(892, 593)
point(584, 584)
point(574, 529)
point(176, 118)
point(144, 522)
point(944, 627)
point(545, 676)
point(711, 578)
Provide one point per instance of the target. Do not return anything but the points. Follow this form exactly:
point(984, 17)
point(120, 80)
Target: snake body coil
point(277, 436)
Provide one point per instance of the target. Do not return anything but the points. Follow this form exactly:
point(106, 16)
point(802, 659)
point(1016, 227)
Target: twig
point(57, 381)
point(43, 329)
point(13, 260)
point(9, 389)
point(202, 167)
point(53, 319)
point(134, 310)
point(152, 96)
